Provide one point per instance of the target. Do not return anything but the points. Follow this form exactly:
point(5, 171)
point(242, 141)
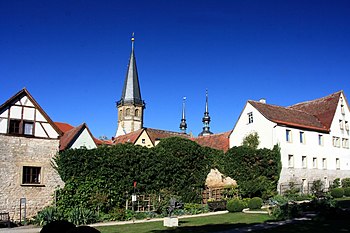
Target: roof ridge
point(318, 99)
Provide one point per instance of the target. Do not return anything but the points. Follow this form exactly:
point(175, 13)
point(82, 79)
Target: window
point(21, 127)
point(314, 162)
point(303, 161)
point(143, 141)
point(347, 125)
point(336, 141)
point(250, 117)
point(341, 124)
point(324, 163)
point(137, 112)
point(337, 163)
point(320, 140)
point(128, 111)
point(14, 126)
point(290, 161)
point(28, 128)
point(31, 175)
point(288, 135)
point(345, 143)
point(302, 137)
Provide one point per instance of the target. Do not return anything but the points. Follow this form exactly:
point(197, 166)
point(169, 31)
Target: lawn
point(200, 224)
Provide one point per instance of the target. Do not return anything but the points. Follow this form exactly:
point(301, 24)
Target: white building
point(313, 137)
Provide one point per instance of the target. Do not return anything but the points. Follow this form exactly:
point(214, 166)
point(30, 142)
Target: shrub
point(347, 191)
point(255, 203)
point(193, 208)
point(337, 192)
point(317, 188)
point(335, 183)
point(80, 216)
point(345, 183)
point(47, 215)
point(235, 205)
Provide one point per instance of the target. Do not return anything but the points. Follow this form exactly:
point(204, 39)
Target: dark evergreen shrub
point(255, 203)
point(235, 205)
point(337, 192)
point(345, 182)
point(347, 191)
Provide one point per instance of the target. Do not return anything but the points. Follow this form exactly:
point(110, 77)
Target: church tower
point(206, 118)
point(183, 124)
point(130, 106)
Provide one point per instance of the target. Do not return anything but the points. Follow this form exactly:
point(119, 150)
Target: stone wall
point(16, 152)
point(298, 175)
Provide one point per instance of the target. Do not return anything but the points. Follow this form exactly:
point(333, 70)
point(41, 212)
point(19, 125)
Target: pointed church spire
point(206, 118)
point(183, 124)
point(130, 106)
point(131, 90)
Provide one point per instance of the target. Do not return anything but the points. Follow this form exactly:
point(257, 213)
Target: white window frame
point(290, 160)
point(304, 161)
point(314, 162)
point(288, 135)
point(302, 137)
point(320, 140)
point(337, 164)
point(336, 141)
point(324, 163)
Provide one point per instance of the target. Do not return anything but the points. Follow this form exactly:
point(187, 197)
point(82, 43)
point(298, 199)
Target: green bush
point(345, 183)
point(317, 188)
point(347, 191)
point(335, 183)
point(235, 205)
point(337, 192)
point(255, 203)
point(47, 215)
point(194, 208)
point(82, 216)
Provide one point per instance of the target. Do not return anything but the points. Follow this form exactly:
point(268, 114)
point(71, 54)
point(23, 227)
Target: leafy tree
point(251, 140)
point(255, 170)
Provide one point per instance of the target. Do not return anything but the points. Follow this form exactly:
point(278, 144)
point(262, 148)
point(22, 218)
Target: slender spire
point(131, 90)
point(183, 124)
point(206, 118)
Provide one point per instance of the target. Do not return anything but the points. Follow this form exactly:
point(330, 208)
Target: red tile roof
point(157, 134)
point(130, 137)
point(218, 141)
point(70, 134)
point(153, 134)
point(315, 115)
point(322, 108)
point(64, 127)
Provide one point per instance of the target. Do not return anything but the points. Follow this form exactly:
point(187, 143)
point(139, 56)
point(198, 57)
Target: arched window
point(137, 112)
point(128, 111)
point(120, 114)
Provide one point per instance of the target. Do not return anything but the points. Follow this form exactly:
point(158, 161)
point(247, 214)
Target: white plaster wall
point(28, 113)
point(84, 140)
point(260, 124)
point(3, 125)
point(50, 130)
point(15, 112)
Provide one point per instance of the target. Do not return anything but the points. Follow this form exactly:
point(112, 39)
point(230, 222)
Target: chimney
point(262, 100)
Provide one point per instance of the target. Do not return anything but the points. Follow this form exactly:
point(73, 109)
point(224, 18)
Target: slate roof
point(218, 141)
point(314, 115)
point(131, 91)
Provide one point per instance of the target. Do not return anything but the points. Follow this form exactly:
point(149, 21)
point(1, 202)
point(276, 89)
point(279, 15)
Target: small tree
point(251, 140)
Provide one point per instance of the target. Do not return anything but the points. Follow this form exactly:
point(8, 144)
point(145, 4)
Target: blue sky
point(72, 56)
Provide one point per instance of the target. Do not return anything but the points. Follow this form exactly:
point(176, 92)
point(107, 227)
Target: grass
point(200, 224)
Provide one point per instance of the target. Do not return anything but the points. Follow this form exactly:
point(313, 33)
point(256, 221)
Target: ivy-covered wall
point(101, 178)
